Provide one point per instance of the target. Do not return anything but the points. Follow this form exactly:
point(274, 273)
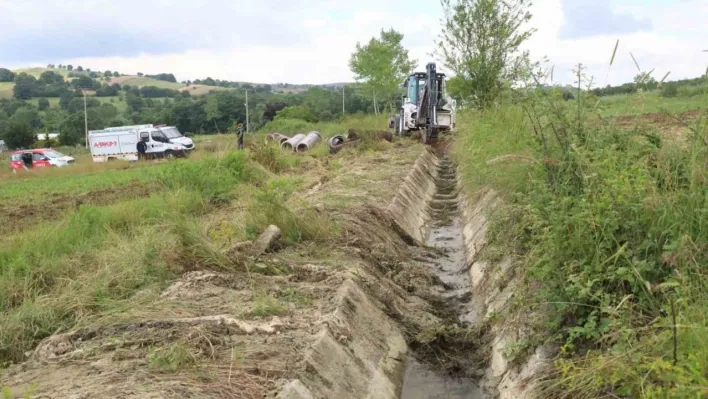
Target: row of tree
point(217, 111)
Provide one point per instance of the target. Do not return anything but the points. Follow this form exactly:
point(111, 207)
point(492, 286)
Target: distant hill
point(132, 80)
point(195, 89)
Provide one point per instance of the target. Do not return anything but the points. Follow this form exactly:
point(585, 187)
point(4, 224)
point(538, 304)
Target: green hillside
point(141, 81)
point(37, 72)
point(132, 80)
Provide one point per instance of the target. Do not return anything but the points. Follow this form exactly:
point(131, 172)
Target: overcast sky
point(310, 41)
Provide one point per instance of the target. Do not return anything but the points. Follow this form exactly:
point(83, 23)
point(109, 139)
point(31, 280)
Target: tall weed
point(614, 229)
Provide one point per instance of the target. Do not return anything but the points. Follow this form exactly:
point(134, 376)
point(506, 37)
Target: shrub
point(214, 178)
point(669, 90)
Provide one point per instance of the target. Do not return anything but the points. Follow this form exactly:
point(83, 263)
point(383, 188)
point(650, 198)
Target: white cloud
point(672, 45)
point(301, 41)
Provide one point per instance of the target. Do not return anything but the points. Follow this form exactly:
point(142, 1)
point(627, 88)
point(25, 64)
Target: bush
point(297, 112)
point(43, 104)
point(669, 90)
point(272, 158)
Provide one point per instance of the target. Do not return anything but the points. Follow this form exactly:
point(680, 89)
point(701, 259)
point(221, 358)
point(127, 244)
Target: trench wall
point(493, 287)
point(360, 351)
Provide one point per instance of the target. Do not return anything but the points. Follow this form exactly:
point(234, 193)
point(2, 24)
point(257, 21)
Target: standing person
point(142, 148)
point(240, 136)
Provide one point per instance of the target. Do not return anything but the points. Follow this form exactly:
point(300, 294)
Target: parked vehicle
point(121, 143)
point(175, 136)
point(39, 158)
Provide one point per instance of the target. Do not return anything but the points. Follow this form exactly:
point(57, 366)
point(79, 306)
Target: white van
point(175, 136)
point(122, 143)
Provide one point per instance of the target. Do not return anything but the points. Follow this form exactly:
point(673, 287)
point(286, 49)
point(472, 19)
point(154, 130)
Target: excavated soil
point(671, 127)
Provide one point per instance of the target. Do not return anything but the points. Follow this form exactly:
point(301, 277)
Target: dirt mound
point(671, 126)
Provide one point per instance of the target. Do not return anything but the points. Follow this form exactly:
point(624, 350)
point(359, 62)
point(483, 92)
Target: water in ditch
point(421, 381)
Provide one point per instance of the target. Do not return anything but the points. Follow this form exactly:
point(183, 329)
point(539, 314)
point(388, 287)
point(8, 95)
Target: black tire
point(170, 155)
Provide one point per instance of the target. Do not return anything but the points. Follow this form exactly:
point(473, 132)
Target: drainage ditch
point(425, 380)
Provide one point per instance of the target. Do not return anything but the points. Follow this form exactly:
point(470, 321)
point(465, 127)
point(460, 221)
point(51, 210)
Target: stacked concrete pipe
point(291, 143)
point(308, 142)
point(280, 138)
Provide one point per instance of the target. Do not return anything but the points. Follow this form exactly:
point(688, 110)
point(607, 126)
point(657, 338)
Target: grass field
point(643, 103)
point(37, 71)
point(141, 81)
point(6, 89)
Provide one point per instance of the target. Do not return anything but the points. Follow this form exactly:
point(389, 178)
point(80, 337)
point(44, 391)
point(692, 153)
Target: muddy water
point(445, 234)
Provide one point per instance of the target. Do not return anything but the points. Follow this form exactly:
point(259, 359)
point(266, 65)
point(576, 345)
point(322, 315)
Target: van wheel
point(169, 155)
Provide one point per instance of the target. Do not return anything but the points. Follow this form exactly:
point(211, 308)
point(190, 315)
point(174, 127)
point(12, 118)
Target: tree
point(297, 112)
point(69, 67)
point(20, 130)
point(480, 43)
point(107, 74)
point(19, 134)
point(83, 82)
point(50, 78)
point(135, 103)
point(116, 74)
point(25, 86)
point(140, 74)
point(80, 68)
point(43, 104)
point(6, 75)
point(72, 130)
point(212, 110)
point(382, 64)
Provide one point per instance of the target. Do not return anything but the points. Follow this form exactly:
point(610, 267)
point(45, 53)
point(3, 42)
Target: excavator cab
point(426, 106)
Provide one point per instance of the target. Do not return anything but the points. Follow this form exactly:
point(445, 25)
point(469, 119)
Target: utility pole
point(342, 100)
point(246, 111)
point(85, 119)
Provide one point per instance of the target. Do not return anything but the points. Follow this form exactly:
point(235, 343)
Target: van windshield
point(171, 132)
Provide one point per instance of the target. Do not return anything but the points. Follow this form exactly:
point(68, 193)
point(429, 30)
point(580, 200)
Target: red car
point(39, 158)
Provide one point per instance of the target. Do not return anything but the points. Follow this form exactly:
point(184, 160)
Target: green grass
point(610, 230)
point(172, 358)
point(327, 129)
point(642, 103)
point(6, 89)
point(17, 189)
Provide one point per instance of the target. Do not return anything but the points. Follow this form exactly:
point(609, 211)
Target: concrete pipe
point(291, 143)
point(336, 140)
point(308, 142)
point(333, 149)
point(277, 137)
